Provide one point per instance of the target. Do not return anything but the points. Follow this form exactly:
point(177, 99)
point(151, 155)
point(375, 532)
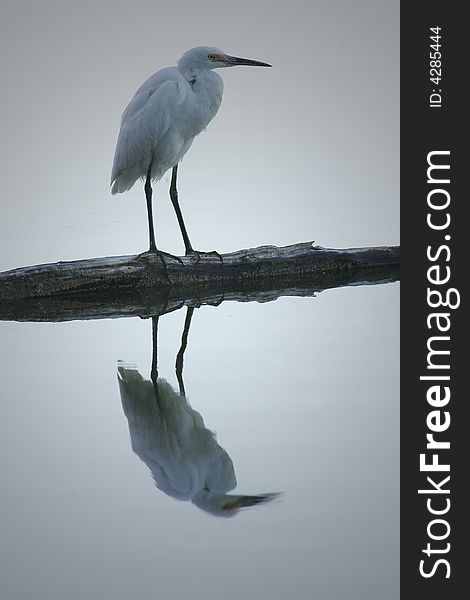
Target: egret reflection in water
point(170, 437)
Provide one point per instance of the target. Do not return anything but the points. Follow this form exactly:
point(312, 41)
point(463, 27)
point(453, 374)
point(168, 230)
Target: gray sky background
point(307, 150)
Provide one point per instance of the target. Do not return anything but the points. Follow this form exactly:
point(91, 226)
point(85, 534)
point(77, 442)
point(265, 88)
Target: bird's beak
point(246, 501)
point(233, 61)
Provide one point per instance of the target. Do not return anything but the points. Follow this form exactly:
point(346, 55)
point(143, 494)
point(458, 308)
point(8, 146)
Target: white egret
point(161, 121)
point(170, 437)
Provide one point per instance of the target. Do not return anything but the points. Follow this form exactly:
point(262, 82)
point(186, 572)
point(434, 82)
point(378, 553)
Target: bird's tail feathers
point(125, 181)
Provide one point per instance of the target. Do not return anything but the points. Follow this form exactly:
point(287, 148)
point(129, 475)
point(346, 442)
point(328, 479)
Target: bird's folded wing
point(145, 120)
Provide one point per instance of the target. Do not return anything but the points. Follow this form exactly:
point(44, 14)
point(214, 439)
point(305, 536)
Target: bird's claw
point(219, 256)
point(198, 255)
point(161, 254)
point(171, 256)
point(194, 254)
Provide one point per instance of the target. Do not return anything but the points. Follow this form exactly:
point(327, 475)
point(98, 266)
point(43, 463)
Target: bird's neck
point(207, 83)
point(192, 74)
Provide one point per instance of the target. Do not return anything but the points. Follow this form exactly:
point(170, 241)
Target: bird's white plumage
point(165, 115)
point(183, 456)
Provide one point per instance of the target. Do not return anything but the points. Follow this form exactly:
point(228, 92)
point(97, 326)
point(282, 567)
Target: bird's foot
point(164, 257)
point(215, 253)
point(198, 255)
point(152, 251)
point(171, 257)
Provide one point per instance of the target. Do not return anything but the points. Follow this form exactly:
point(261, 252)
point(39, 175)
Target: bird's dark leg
point(180, 356)
point(179, 214)
point(148, 195)
point(154, 370)
point(174, 199)
point(153, 245)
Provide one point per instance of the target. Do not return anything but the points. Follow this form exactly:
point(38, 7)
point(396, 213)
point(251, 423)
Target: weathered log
point(141, 285)
point(114, 275)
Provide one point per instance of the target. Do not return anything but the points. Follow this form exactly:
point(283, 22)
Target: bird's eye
point(211, 56)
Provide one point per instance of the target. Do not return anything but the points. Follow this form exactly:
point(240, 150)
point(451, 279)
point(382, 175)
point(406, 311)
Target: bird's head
point(206, 58)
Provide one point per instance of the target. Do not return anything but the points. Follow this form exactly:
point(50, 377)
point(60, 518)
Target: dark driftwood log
point(138, 285)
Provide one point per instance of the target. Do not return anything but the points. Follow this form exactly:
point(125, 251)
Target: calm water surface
point(302, 394)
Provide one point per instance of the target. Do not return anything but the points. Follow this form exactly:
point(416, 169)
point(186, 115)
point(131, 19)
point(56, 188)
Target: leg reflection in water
point(170, 437)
